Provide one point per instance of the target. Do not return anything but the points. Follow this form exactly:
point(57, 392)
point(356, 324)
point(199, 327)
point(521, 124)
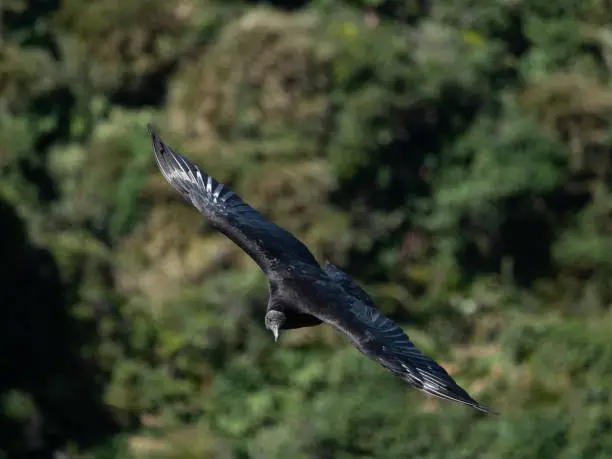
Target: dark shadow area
point(289, 5)
point(419, 131)
point(408, 12)
point(525, 236)
point(24, 20)
point(39, 352)
point(148, 90)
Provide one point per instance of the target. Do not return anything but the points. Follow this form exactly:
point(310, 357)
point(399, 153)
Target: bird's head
point(274, 321)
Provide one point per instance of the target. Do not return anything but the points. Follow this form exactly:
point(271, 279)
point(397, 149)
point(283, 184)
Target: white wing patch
point(204, 184)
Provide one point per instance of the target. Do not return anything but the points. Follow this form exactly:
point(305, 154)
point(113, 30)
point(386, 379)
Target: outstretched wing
point(384, 341)
point(264, 241)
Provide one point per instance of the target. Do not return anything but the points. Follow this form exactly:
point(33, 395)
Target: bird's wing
point(382, 340)
point(264, 241)
point(348, 284)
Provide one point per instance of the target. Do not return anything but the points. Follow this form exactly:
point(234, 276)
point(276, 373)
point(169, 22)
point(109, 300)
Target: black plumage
point(302, 293)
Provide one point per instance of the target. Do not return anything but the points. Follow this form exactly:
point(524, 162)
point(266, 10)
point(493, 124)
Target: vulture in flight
point(302, 294)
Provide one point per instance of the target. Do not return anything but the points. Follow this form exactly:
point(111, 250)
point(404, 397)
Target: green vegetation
point(453, 156)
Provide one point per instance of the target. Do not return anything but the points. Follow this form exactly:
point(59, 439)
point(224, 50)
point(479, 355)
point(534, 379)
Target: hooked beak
point(275, 333)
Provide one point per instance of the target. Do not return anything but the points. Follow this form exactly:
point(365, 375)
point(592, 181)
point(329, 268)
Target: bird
point(303, 293)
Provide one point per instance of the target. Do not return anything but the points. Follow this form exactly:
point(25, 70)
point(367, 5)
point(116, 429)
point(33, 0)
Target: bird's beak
point(275, 333)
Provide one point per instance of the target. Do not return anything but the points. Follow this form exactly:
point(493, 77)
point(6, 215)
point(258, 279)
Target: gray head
point(274, 321)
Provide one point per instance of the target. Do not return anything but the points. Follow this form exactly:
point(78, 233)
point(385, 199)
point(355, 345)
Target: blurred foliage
point(453, 156)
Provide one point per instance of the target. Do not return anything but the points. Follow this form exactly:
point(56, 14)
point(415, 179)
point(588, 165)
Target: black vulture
point(302, 294)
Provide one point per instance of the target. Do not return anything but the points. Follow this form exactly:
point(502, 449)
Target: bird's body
point(302, 294)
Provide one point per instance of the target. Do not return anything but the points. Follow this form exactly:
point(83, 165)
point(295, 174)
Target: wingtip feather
point(486, 409)
point(474, 404)
point(151, 130)
point(465, 400)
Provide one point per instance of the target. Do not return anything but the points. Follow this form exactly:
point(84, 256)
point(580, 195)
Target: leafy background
point(452, 156)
